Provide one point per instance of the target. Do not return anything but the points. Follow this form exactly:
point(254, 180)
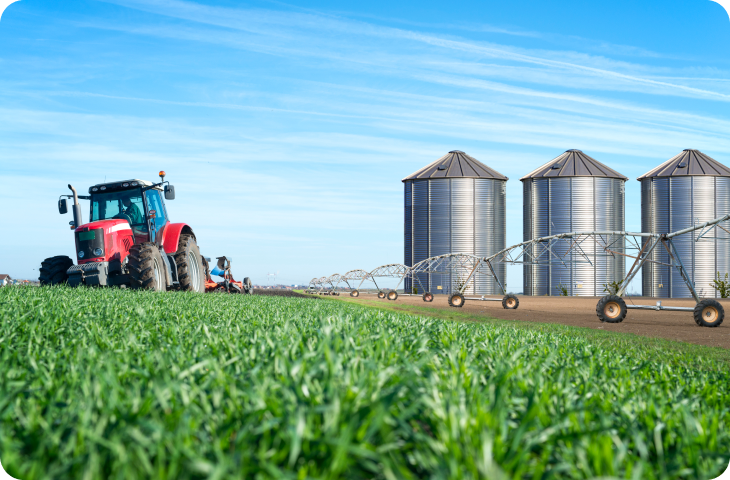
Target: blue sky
point(287, 127)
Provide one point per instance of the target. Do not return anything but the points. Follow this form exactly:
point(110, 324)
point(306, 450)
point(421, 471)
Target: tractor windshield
point(126, 205)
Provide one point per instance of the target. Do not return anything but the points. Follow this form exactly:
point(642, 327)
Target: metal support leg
point(682, 271)
point(638, 264)
point(466, 282)
point(496, 279)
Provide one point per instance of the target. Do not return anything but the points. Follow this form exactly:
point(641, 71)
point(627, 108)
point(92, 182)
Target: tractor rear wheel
point(709, 313)
point(190, 272)
point(146, 267)
point(53, 270)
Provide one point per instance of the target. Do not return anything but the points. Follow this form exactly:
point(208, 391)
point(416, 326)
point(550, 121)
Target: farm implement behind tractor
point(223, 269)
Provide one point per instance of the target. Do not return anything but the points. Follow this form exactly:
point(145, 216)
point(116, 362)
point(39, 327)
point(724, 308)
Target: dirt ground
point(581, 312)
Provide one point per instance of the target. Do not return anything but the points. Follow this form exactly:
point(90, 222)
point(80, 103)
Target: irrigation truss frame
point(561, 249)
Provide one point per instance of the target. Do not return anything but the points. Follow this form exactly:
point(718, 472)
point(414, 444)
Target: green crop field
point(121, 384)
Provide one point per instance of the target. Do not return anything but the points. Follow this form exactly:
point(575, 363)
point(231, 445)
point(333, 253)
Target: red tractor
point(129, 241)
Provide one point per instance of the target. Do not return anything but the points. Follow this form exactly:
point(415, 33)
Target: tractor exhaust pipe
point(78, 220)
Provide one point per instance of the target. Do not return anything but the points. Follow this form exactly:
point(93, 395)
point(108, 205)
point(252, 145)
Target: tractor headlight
point(81, 254)
point(125, 185)
point(103, 188)
point(98, 252)
point(134, 184)
point(95, 189)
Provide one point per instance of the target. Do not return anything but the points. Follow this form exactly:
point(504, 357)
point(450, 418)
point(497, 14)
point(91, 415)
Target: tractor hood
point(103, 241)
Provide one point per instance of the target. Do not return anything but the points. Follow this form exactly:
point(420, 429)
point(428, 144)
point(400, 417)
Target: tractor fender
point(171, 235)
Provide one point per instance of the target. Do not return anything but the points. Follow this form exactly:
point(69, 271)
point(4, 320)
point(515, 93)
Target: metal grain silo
point(455, 205)
point(688, 189)
point(573, 193)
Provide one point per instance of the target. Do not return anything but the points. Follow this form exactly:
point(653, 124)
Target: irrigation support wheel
point(393, 295)
point(53, 270)
point(146, 270)
point(456, 300)
point(510, 302)
point(428, 297)
point(612, 309)
point(355, 293)
point(709, 313)
point(381, 294)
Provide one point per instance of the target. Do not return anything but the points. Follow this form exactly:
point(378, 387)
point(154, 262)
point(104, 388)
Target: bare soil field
point(581, 312)
point(273, 292)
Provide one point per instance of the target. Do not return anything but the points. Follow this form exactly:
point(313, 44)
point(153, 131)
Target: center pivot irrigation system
point(565, 249)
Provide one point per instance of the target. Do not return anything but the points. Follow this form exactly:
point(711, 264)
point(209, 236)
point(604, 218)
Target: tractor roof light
point(162, 175)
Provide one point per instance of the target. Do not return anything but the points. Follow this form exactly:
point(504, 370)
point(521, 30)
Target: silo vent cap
point(574, 150)
point(442, 167)
point(456, 151)
point(682, 165)
point(556, 166)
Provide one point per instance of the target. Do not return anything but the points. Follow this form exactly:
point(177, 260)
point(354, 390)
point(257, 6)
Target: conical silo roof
point(688, 162)
point(573, 163)
point(455, 164)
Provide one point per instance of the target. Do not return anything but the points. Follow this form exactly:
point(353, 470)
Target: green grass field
point(122, 384)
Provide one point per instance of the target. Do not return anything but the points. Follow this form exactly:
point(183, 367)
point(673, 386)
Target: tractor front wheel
point(53, 270)
point(190, 272)
point(146, 267)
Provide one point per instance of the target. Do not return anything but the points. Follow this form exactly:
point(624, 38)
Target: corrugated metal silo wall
point(455, 215)
point(570, 204)
point(669, 204)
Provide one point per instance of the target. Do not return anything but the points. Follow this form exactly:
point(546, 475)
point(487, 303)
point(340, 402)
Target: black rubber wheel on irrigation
point(510, 302)
point(428, 297)
point(146, 270)
point(354, 293)
point(53, 270)
point(709, 313)
point(381, 294)
point(393, 295)
point(456, 300)
point(611, 309)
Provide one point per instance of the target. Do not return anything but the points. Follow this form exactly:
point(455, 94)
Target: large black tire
point(510, 302)
point(611, 309)
point(53, 270)
point(355, 293)
point(247, 286)
point(190, 270)
point(146, 268)
point(381, 294)
point(709, 313)
point(428, 297)
point(456, 300)
point(393, 295)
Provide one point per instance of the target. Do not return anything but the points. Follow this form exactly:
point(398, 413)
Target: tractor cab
point(129, 240)
point(139, 202)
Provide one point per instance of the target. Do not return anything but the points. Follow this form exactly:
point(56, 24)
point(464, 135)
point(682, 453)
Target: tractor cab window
point(156, 211)
point(126, 204)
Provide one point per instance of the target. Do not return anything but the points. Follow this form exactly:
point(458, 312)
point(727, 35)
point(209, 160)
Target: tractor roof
point(119, 184)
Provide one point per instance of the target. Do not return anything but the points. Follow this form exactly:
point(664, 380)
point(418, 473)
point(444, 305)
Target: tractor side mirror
point(62, 207)
point(169, 192)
